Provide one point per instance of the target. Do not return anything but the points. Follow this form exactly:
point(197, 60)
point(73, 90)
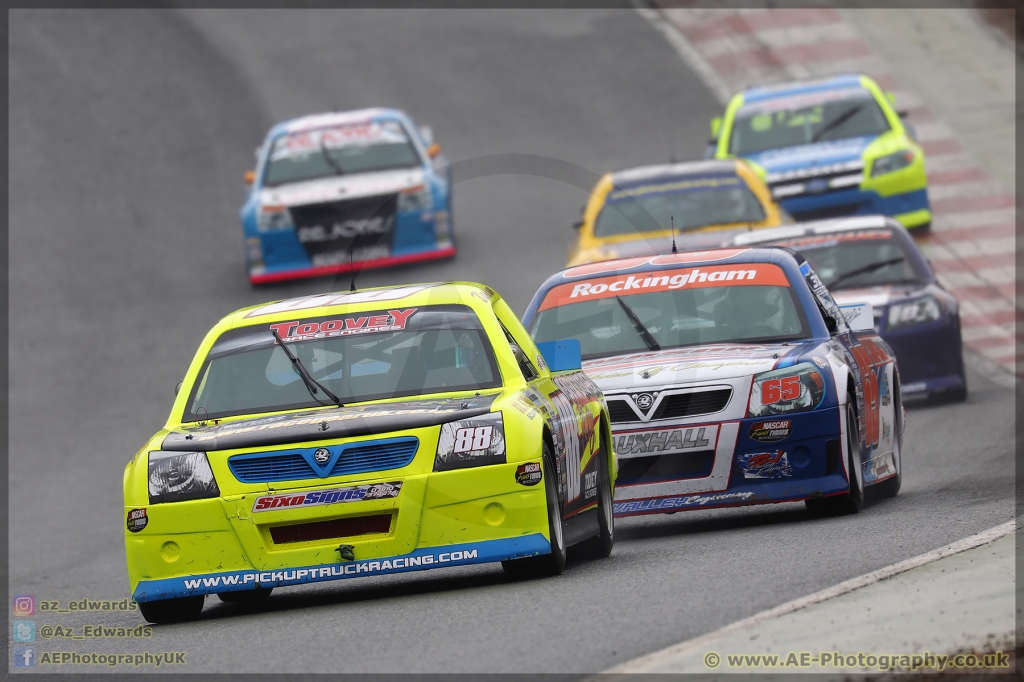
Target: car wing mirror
point(427, 133)
point(249, 177)
point(859, 316)
point(578, 224)
point(563, 355)
point(177, 386)
point(434, 150)
point(716, 126)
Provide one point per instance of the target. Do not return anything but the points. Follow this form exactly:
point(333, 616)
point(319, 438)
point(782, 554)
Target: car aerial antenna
point(352, 270)
point(673, 219)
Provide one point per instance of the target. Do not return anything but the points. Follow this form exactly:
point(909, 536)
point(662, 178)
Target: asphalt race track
point(129, 133)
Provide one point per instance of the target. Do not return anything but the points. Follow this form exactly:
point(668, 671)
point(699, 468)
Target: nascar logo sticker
point(771, 430)
point(356, 493)
point(137, 520)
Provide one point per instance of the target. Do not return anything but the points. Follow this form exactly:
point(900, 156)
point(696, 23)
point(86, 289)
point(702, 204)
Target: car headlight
point(892, 162)
point(270, 218)
point(179, 476)
point(415, 199)
point(787, 390)
point(471, 443)
point(918, 311)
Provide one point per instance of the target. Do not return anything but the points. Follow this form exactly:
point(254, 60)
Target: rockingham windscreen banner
point(739, 274)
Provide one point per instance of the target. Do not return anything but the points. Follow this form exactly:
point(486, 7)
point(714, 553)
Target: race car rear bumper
point(282, 275)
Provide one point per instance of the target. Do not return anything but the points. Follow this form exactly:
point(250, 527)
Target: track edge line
point(685, 49)
point(646, 662)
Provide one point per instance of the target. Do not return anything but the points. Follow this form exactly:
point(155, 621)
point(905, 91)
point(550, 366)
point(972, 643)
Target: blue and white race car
point(732, 378)
point(873, 259)
point(341, 191)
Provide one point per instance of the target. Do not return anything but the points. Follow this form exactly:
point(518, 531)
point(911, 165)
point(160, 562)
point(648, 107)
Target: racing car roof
point(816, 227)
point(334, 118)
point(379, 298)
point(790, 88)
point(644, 174)
point(835, 225)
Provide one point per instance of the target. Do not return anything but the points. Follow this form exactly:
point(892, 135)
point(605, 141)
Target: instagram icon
point(24, 605)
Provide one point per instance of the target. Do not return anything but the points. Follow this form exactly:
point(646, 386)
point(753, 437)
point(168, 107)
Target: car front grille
point(659, 468)
point(816, 180)
point(332, 529)
point(360, 228)
point(621, 412)
point(837, 211)
point(354, 459)
point(692, 404)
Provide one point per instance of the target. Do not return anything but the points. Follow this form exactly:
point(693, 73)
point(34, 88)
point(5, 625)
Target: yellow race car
point(366, 433)
point(652, 209)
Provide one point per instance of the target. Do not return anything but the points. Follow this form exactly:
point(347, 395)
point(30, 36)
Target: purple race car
point(873, 259)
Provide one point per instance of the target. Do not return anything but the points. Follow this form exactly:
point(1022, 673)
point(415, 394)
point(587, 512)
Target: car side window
point(525, 366)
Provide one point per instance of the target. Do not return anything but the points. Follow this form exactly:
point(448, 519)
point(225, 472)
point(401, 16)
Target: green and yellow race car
point(366, 433)
point(828, 148)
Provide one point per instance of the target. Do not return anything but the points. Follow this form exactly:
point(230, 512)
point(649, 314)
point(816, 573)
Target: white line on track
point(686, 51)
point(653, 661)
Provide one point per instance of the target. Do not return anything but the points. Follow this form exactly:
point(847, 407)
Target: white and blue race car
point(732, 378)
point(350, 190)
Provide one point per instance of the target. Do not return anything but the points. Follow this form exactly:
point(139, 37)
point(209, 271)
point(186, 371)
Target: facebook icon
point(24, 657)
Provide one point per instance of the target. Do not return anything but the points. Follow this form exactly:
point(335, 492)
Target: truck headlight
point(271, 218)
point(892, 162)
point(416, 198)
point(179, 476)
point(787, 390)
point(471, 443)
point(918, 311)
